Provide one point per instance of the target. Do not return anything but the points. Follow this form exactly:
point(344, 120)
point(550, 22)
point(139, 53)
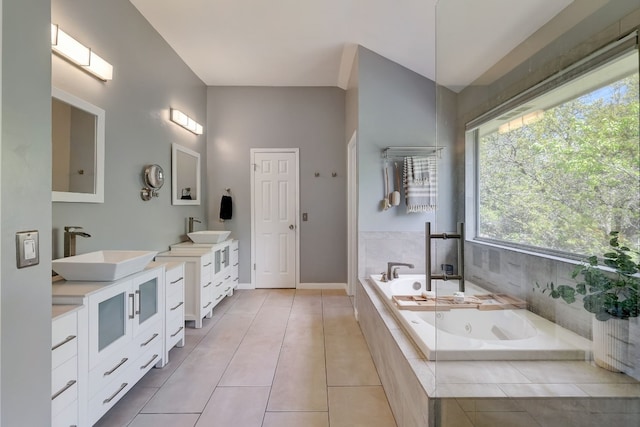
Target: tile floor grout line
point(278, 361)
point(230, 359)
point(198, 341)
point(324, 345)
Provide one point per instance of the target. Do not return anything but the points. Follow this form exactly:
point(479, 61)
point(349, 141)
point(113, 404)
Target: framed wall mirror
point(77, 139)
point(185, 176)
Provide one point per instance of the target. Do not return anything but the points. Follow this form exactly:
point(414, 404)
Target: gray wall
point(397, 107)
point(25, 204)
point(509, 270)
point(137, 102)
point(149, 78)
point(311, 119)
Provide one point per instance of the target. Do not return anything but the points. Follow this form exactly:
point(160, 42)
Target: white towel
point(420, 184)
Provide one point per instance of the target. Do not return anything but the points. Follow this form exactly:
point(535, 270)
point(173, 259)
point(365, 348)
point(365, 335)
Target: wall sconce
point(78, 54)
point(186, 122)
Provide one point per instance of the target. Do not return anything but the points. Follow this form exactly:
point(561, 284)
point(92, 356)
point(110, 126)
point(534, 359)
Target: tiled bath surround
point(516, 273)
point(464, 394)
point(377, 248)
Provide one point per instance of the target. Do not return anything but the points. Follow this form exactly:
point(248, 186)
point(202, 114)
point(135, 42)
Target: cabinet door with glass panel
point(121, 312)
point(110, 326)
point(147, 288)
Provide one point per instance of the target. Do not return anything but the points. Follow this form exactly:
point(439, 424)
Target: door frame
point(352, 214)
point(252, 168)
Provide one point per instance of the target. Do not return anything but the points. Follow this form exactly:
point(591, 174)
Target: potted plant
point(611, 296)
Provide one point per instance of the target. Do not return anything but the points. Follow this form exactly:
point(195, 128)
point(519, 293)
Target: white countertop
point(80, 289)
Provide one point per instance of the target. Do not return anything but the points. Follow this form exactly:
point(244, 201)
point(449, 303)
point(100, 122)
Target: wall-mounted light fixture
point(75, 52)
point(186, 122)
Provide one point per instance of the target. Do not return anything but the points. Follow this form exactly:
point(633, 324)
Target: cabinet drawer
point(234, 252)
point(175, 300)
point(175, 333)
point(67, 417)
point(102, 401)
point(110, 369)
point(132, 371)
point(176, 288)
point(64, 385)
point(174, 274)
point(146, 361)
point(206, 296)
point(175, 317)
point(206, 265)
point(149, 337)
point(64, 339)
point(235, 276)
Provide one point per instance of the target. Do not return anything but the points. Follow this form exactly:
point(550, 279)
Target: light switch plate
point(27, 248)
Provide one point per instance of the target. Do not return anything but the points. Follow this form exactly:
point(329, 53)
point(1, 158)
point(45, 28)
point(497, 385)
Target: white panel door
point(275, 207)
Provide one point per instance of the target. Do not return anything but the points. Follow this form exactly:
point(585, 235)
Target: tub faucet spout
point(392, 273)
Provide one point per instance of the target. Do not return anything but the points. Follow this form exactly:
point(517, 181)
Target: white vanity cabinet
point(66, 361)
point(222, 271)
point(198, 281)
point(125, 332)
point(174, 307)
point(235, 263)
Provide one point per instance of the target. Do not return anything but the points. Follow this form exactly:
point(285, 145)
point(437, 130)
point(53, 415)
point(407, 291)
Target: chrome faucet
point(191, 221)
point(70, 233)
point(392, 273)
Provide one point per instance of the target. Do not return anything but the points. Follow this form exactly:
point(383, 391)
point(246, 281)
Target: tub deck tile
point(542, 390)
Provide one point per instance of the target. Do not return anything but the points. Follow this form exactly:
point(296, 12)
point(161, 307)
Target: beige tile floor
point(270, 358)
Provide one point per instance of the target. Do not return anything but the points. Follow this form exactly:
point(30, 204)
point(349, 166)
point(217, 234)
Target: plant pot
point(611, 344)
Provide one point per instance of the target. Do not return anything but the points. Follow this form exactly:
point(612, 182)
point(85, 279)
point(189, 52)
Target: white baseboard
point(342, 286)
point(245, 286)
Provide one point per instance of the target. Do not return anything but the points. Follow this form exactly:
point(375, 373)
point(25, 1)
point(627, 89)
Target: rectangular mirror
point(77, 138)
point(185, 175)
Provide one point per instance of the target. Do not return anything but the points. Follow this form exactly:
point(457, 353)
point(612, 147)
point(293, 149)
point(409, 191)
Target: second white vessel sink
point(102, 266)
point(208, 236)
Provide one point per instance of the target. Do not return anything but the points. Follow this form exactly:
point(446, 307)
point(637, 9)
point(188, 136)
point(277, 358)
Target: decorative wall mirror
point(185, 176)
point(77, 138)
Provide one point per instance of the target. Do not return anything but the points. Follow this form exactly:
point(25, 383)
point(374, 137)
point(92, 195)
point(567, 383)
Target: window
point(560, 169)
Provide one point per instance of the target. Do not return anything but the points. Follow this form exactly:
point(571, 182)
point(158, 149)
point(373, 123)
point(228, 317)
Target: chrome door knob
point(291, 227)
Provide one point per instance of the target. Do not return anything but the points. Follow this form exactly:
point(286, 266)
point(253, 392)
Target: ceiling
point(313, 42)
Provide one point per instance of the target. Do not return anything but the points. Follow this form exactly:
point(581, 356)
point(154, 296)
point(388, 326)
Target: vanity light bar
point(75, 52)
point(180, 118)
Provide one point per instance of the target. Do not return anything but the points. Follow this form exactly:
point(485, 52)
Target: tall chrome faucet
point(70, 233)
point(191, 221)
point(392, 273)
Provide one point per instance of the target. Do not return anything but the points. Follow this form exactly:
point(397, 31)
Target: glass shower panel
point(532, 107)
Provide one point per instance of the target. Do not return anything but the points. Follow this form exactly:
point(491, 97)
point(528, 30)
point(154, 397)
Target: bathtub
point(471, 334)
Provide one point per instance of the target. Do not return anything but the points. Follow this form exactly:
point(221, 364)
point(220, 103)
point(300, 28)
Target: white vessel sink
point(208, 236)
point(102, 266)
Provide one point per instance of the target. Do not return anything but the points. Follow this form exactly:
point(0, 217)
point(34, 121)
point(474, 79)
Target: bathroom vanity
point(211, 273)
point(120, 332)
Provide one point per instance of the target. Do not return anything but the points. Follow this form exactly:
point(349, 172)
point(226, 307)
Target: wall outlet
point(27, 248)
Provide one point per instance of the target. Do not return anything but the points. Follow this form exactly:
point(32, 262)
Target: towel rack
point(444, 236)
point(391, 152)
